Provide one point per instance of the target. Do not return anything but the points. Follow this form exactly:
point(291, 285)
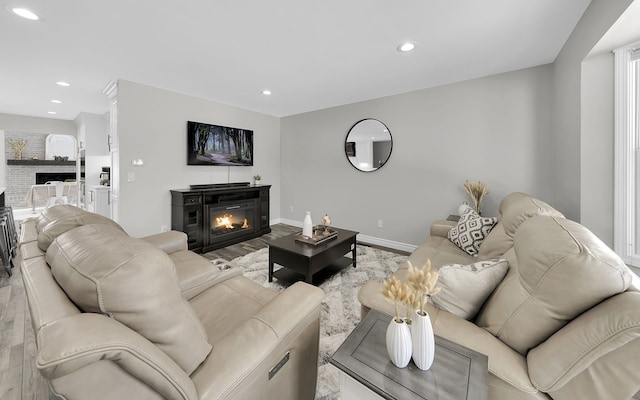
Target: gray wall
point(23, 123)
point(152, 126)
point(571, 167)
point(596, 146)
point(497, 129)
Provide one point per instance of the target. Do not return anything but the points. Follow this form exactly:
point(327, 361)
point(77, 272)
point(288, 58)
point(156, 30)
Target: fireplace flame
point(225, 220)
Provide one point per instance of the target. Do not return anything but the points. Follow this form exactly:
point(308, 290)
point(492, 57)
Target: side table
point(457, 373)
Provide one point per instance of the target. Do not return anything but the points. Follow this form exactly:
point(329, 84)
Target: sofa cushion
point(471, 230)
point(56, 212)
point(56, 220)
point(514, 209)
point(103, 270)
point(563, 270)
point(439, 250)
point(504, 362)
point(465, 288)
point(197, 274)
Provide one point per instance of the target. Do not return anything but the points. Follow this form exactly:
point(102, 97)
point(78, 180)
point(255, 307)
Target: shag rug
point(340, 311)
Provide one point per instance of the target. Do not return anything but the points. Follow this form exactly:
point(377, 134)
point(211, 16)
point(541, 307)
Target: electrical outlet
point(164, 228)
point(290, 209)
point(380, 223)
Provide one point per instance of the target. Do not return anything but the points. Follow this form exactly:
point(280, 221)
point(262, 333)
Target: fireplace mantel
point(42, 162)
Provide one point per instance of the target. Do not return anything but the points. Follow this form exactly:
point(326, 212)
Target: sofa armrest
point(169, 242)
point(240, 363)
point(441, 227)
point(286, 310)
point(370, 298)
point(601, 330)
point(72, 343)
point(28, 231)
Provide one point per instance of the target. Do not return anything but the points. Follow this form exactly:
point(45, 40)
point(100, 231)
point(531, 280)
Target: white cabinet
point(98, 199)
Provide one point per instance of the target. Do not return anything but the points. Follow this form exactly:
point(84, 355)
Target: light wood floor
point(19, 379)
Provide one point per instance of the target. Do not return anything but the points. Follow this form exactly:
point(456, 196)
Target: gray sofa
point(563, 324)
point(117, 317)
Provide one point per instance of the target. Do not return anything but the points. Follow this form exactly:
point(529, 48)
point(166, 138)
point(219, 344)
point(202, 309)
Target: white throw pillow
point(465, 288)
point(463, 208)
point(471, 230)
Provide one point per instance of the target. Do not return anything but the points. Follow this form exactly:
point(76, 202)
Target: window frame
point(627, 153)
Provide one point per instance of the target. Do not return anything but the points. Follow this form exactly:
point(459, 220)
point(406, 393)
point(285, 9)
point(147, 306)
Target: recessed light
point(61, 83)
point(56, 101)
point(24, 13)
point(266, 92)
point(52, 112)
point(406, 46)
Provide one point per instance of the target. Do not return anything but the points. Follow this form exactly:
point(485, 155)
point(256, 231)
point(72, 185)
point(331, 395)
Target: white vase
point(423, 341)
point(399, 343)
point(307, 225)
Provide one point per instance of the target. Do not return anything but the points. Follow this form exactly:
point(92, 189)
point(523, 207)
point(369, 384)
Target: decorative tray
point(320, 235)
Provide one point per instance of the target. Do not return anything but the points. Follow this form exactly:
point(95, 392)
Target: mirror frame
point(350, 150)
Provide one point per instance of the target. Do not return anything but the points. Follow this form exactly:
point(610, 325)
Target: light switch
point(131, 176)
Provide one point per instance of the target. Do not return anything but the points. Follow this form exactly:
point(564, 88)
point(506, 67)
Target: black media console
point(218, 215)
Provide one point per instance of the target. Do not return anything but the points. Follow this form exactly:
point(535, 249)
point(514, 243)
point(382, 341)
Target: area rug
point(340, 309)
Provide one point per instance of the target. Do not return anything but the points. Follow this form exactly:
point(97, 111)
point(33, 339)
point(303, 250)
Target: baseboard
point(409, 248)
point(286, 222)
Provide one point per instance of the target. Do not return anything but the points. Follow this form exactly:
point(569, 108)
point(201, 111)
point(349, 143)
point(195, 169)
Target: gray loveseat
point(117, 317)
point(563, 324)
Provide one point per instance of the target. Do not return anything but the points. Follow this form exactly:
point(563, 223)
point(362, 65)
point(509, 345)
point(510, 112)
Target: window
point(627, 154)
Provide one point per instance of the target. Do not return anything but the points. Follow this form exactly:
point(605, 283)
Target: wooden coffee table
point(366, 372)
point(308, 262)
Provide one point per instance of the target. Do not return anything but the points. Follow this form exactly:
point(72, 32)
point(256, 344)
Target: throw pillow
point(471, 230)
point(465, 288)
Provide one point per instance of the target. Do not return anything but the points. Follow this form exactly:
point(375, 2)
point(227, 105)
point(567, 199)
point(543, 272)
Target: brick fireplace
point(20, 177)
point(44, 177)
point(21, 174)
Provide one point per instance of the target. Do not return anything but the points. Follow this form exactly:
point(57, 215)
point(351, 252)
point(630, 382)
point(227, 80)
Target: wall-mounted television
point(209, 144)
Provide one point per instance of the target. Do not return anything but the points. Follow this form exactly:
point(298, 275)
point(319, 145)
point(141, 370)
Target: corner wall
point(497, 129)
point(570, 168)
point(597, 146)
point(152, 126)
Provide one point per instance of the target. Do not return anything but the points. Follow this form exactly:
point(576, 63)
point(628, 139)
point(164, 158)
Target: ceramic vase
point(423, 341)
point(307, 225)
point(399, 343)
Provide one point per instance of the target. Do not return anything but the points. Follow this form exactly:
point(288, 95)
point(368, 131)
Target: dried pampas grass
point(476, 190)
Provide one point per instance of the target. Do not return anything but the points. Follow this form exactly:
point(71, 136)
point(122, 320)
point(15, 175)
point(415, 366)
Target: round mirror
point(368, 145)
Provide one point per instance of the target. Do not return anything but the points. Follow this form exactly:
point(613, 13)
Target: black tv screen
point(209, 144)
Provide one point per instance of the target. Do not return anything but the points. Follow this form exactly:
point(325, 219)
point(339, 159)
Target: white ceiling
point(311, 55)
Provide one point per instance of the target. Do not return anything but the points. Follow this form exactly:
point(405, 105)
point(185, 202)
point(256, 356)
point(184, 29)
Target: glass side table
point(457, 373)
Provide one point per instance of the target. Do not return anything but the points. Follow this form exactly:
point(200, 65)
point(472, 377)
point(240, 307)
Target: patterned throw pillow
point(471, 230)
point(465, 288)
